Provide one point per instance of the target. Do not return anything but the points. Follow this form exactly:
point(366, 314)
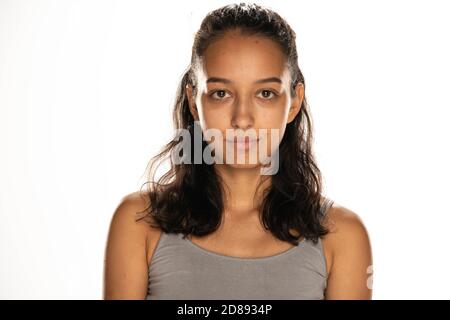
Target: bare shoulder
point(131, 207)
point(126, 264)
point(135, 205)
point(345, 225)
point(349, 253)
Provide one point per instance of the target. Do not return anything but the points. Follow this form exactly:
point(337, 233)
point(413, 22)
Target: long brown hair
point(188, 198)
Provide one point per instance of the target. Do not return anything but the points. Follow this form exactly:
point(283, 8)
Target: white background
point(86, 91)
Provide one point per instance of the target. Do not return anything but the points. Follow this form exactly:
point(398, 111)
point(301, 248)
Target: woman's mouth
point(243, 143)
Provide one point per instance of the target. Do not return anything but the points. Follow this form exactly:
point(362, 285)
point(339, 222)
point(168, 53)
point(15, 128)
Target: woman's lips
point(243, 143)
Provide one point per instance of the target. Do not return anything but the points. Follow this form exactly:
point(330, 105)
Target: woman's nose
point(242, 117)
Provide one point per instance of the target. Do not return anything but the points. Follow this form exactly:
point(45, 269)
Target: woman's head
point(246, 20)
point(242, 43)
point(243, 82)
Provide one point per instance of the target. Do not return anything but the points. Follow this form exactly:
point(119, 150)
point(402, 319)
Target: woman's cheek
point(215, 119)
point(206, 114)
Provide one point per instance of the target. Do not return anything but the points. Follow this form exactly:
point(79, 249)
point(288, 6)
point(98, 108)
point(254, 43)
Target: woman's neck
point(240, 189)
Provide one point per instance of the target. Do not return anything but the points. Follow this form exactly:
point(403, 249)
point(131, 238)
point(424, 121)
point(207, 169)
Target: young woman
point(225, 230)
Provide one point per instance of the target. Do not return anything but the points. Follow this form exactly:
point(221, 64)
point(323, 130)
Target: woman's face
point(243, 83)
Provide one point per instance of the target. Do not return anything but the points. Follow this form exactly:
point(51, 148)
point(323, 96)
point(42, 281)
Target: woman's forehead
point(251, 55)
point(244, 57)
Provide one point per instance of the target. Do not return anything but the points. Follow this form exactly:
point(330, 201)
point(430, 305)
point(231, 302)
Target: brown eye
point(267, 94)
point(221, 94)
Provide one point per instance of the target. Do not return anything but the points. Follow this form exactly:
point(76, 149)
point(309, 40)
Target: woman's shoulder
point(127, 249)
point(343, 222)
point(133, 210)
point(132, 206)
point(348, 249)
point(348, 236)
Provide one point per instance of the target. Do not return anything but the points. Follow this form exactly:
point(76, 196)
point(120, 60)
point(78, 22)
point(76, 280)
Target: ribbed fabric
point(180, 269)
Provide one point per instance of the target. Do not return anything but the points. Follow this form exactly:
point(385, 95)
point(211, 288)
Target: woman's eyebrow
point(223, 80)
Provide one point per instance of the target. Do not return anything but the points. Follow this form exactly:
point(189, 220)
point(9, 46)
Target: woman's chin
point(243, 165)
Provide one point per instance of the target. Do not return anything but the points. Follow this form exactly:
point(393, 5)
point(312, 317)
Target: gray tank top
point(180, 269)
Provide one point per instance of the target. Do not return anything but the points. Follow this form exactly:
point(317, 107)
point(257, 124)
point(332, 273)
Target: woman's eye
point(220, 94)
point(267, 94)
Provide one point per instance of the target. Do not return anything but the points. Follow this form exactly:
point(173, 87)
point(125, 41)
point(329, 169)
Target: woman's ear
point(296, 102)
point(191, 102)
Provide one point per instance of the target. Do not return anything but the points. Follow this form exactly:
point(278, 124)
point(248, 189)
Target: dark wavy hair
point(188, 198)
